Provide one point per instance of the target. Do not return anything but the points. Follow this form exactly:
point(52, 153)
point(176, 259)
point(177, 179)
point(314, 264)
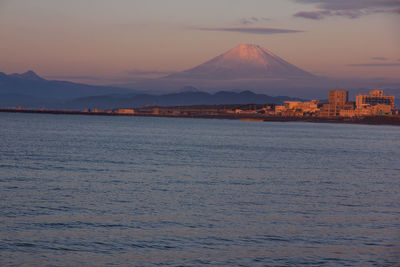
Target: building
point(124, 111)
point(305, 107)
point(297, 108)
point(337, 101)
point(377, 110)
point(292, 104)
point(374, 98)
point(279, 109)
point(381, 109)
point(374, 104)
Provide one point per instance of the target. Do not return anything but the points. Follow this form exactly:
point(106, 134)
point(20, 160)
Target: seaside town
point(376, 103)
point(372, 108)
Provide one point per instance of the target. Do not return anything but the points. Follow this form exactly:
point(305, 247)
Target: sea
point(80, 190)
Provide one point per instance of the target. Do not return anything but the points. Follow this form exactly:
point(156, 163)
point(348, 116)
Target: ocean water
point(135, 191)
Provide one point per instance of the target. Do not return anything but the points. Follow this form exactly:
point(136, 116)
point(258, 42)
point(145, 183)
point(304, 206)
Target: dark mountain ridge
point(29, 90)
point(29, 84)
point(174, 99)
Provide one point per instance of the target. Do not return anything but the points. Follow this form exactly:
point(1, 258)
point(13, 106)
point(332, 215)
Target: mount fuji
point(244, 67)
point(245, 61)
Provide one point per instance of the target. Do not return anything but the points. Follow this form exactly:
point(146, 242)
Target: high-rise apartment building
point(374, 98)
point(337, 100)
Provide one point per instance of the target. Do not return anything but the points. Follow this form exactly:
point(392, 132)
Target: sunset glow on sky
point(101, 41)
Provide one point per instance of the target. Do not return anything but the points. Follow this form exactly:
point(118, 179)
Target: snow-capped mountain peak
point(252, 53)
point(245, 61)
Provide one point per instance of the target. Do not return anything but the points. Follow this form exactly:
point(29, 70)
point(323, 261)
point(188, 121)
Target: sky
point(115, 41)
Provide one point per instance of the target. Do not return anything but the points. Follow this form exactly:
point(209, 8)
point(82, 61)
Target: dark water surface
point(94, 190)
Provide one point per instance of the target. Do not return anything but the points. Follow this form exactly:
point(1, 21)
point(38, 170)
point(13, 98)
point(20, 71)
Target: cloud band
point(251, 30)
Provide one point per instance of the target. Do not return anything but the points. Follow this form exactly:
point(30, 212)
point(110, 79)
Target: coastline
point(371, 120)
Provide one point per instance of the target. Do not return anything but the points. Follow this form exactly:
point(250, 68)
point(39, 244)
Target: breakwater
point(375, 120)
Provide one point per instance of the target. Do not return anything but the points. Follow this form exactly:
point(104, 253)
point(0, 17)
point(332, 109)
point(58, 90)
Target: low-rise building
point(279, 109)
point(124, 111)
point(304, 106)
point(381, 109)
point(292, 104)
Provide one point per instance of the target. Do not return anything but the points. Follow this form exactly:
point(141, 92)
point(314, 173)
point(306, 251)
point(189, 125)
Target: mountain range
point(244, 63)
point(32, 91)
point(246, 67)
point(29, 84)
point(173, 99)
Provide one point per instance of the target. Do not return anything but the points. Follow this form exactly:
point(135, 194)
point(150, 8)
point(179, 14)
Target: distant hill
point(29, 90)
point(174, 99)
point(29, 85)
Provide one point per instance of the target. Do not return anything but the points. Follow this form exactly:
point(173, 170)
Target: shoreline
point(371, 120)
